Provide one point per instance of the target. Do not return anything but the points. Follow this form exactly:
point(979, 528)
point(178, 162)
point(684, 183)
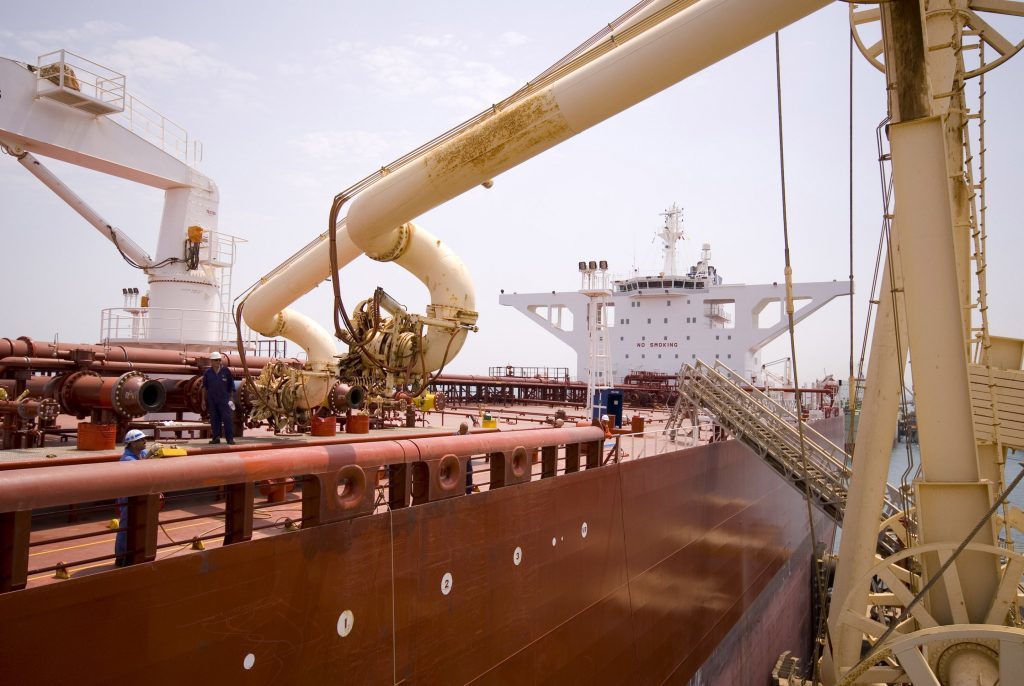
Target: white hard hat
point(215, 355)
point(134, 435)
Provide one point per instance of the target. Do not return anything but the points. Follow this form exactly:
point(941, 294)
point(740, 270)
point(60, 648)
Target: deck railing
point(332, 483)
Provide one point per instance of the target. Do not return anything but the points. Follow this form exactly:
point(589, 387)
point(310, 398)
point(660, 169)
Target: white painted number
point(517, 556)
point(345, 623)
point(446, 583)
point(583, 530)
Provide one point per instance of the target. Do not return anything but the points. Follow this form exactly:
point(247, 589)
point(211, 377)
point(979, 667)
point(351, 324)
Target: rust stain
point(505, 139)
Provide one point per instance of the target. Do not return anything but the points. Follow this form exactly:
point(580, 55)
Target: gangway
point(770, 430)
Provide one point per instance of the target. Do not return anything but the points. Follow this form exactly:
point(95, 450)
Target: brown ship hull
point(692, 561)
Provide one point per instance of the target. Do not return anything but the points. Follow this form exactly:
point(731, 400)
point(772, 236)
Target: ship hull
point(690, 565)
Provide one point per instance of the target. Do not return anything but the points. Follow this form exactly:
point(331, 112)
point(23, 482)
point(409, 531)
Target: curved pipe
point(27, 489)
point(266, 309)
point(419, 252)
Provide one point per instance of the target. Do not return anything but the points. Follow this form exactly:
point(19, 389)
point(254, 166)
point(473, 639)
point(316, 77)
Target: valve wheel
point(914, 649)
point(977, 17)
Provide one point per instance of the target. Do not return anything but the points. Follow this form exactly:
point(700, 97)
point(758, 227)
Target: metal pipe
point(221, 449)
point(27, 347)
point(129, 395)
point(343, 397)
point(28, 489)
point(183, 395)
point(679, 46)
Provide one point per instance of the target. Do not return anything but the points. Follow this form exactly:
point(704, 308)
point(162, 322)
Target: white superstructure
point(658, 321)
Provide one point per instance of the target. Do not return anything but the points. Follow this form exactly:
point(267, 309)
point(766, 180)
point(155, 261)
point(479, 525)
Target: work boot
point(231, 442)
point(215, 441)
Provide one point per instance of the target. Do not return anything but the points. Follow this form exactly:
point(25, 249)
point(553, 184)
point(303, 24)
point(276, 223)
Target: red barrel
point(96, 436)
point(358, 424)
point(324, 426)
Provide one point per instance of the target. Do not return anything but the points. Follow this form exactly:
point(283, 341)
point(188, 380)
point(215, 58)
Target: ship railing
point(63, 76)
point(169, 325)
point(652, 442)
point(147, 123)
point(181, 504)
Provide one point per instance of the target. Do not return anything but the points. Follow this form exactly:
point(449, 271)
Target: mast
point(670, 234)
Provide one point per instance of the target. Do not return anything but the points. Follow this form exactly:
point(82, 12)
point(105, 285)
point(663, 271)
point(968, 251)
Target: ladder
point(770, 430)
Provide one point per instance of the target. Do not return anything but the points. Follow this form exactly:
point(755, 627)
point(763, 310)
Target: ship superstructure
point(660, 321)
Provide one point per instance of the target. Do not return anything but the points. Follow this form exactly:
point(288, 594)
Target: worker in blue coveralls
point(134, 449)
point(220, 399)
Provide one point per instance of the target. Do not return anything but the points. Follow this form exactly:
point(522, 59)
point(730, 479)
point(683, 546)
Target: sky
point(295, 102)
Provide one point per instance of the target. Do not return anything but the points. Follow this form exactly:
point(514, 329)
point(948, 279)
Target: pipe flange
point(117, 399)
point(64, 396)
point(401, 244)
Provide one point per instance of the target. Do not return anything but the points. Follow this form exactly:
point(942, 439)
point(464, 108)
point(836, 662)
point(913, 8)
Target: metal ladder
point(770, 430)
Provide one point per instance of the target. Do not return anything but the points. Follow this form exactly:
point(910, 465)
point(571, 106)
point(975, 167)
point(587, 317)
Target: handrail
point(755, 392)
point(40, 487)
point(791, 432)
point(762, 422)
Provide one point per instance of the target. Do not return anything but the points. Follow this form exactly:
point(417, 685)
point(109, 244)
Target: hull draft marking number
point(583, 530)
point(345, 623)
point(446, 583)
point(517, 556)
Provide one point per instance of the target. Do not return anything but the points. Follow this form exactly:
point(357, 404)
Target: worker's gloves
point(231, 404)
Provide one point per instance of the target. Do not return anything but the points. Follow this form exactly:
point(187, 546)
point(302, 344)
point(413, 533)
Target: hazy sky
point(295, 102)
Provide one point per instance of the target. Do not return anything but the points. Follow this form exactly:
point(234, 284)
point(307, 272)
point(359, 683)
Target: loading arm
point(649, 53)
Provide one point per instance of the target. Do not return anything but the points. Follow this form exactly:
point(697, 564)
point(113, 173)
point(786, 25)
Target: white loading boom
point(656, 48)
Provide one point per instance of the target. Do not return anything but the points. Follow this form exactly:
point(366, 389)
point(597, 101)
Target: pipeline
point(86, 353)
point(115, 456)
point(28, 489)
point(84, 392)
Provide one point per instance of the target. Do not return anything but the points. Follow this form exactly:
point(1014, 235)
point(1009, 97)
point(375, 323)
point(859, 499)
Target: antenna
point(670, 234)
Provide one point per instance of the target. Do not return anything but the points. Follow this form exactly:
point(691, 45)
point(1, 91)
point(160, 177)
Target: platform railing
point(168, 325)
point(66, 71)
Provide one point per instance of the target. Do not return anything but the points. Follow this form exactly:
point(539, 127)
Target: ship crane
point(68, 108)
